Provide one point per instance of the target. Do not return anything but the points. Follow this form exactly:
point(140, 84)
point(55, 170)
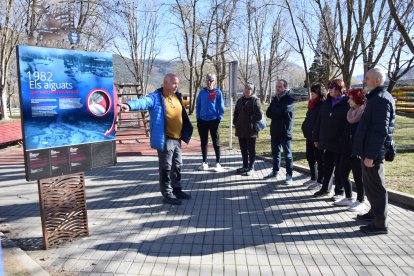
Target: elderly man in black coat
point(373, 133)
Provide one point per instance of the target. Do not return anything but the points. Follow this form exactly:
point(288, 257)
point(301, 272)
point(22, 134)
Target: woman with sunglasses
point(209, 113)
point(332, 124)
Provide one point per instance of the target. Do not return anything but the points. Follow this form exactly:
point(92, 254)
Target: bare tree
point(350, 19)
point(379, 24)
point(398, 66)
point(137, 26)
point(399, 22)
point(267, 46)
point(401, 60)
point(222, 23)
point(196, 31)
point(11, 28)
point(300, 39)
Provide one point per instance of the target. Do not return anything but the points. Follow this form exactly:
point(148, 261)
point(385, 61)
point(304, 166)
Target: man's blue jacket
point(155, 104)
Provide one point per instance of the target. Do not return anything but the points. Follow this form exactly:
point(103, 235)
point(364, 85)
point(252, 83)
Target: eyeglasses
point(170, 101)
point(209, 80)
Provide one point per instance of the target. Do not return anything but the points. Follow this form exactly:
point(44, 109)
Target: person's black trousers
point(248, 151)
point(213, 127)
point(332, 160)
point(315, 161)
point(374, 184)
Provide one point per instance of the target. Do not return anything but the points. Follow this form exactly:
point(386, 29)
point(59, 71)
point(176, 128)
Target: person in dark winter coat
point(282, 112)
point(374, 132)
point(330, 138)
point(247, 113)
point(313, 154)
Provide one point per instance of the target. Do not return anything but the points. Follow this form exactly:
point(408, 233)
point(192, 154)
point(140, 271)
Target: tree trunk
point(391, 85)
point(3, 92)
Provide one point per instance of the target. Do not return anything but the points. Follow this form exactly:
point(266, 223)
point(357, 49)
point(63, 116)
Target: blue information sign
point(67, 99)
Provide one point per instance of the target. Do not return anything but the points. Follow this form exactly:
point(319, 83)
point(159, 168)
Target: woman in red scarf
point(313, 154)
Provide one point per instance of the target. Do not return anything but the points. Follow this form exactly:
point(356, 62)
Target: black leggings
point(331, 161)
point(248, 151)
point(315, 161)
point(354, 164)
point(203, 128)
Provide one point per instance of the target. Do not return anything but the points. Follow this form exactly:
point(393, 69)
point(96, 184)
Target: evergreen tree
point(321, 68)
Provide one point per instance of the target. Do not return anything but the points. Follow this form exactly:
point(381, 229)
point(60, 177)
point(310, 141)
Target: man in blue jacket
point(282, 112)
point(169, 124)
point(373, 133)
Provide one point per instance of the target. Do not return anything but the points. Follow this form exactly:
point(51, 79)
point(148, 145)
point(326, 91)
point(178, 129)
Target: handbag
point(261, 124)
point(390, 151)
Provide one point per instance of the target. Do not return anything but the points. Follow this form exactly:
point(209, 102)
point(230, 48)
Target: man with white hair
point(372, 135)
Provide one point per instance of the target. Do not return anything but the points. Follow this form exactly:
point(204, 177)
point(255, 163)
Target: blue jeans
point(277, 144)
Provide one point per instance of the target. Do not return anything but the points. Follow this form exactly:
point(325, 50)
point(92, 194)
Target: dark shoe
point(249, 172)
point(242, 170)
point(321, 193)
point(373, 230)
point(181, 195)
point(366, 217)
point(271, 175)
point(171, 200)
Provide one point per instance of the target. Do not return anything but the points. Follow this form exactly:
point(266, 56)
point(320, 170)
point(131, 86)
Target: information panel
point(68, 110)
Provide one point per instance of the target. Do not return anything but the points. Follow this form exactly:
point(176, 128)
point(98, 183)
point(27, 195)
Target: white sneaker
point(288, 180)
point(218, 168)
point(356, 206)
point(315, 186)
point(250, 172)
point(337, 197)
point(203, 167)
point(308, 182)
point(343, 202)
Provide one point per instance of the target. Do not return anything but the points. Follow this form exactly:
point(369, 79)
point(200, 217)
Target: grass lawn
point(12, 118)
point(399, 173)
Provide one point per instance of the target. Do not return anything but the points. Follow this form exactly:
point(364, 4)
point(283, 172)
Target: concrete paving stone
point(100, 266)
point(409, 270)
point(331, 260)
point(397, 270)
point(289, 270)
point(182, 269)
point(361, 270)
point(146, 268)
point(206, 270)
point(123, 268)
point(373, 270)
point(228, 216)
point(385, 270)
point(342, 259)
point(285, 260)
point(301, 270)
point(159, 269)
point(112, 266)
point(242, 270)
point(398, 260)
point(135, 268)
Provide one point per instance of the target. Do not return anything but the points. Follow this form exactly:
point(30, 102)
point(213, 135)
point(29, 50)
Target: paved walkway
point(233, 225)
